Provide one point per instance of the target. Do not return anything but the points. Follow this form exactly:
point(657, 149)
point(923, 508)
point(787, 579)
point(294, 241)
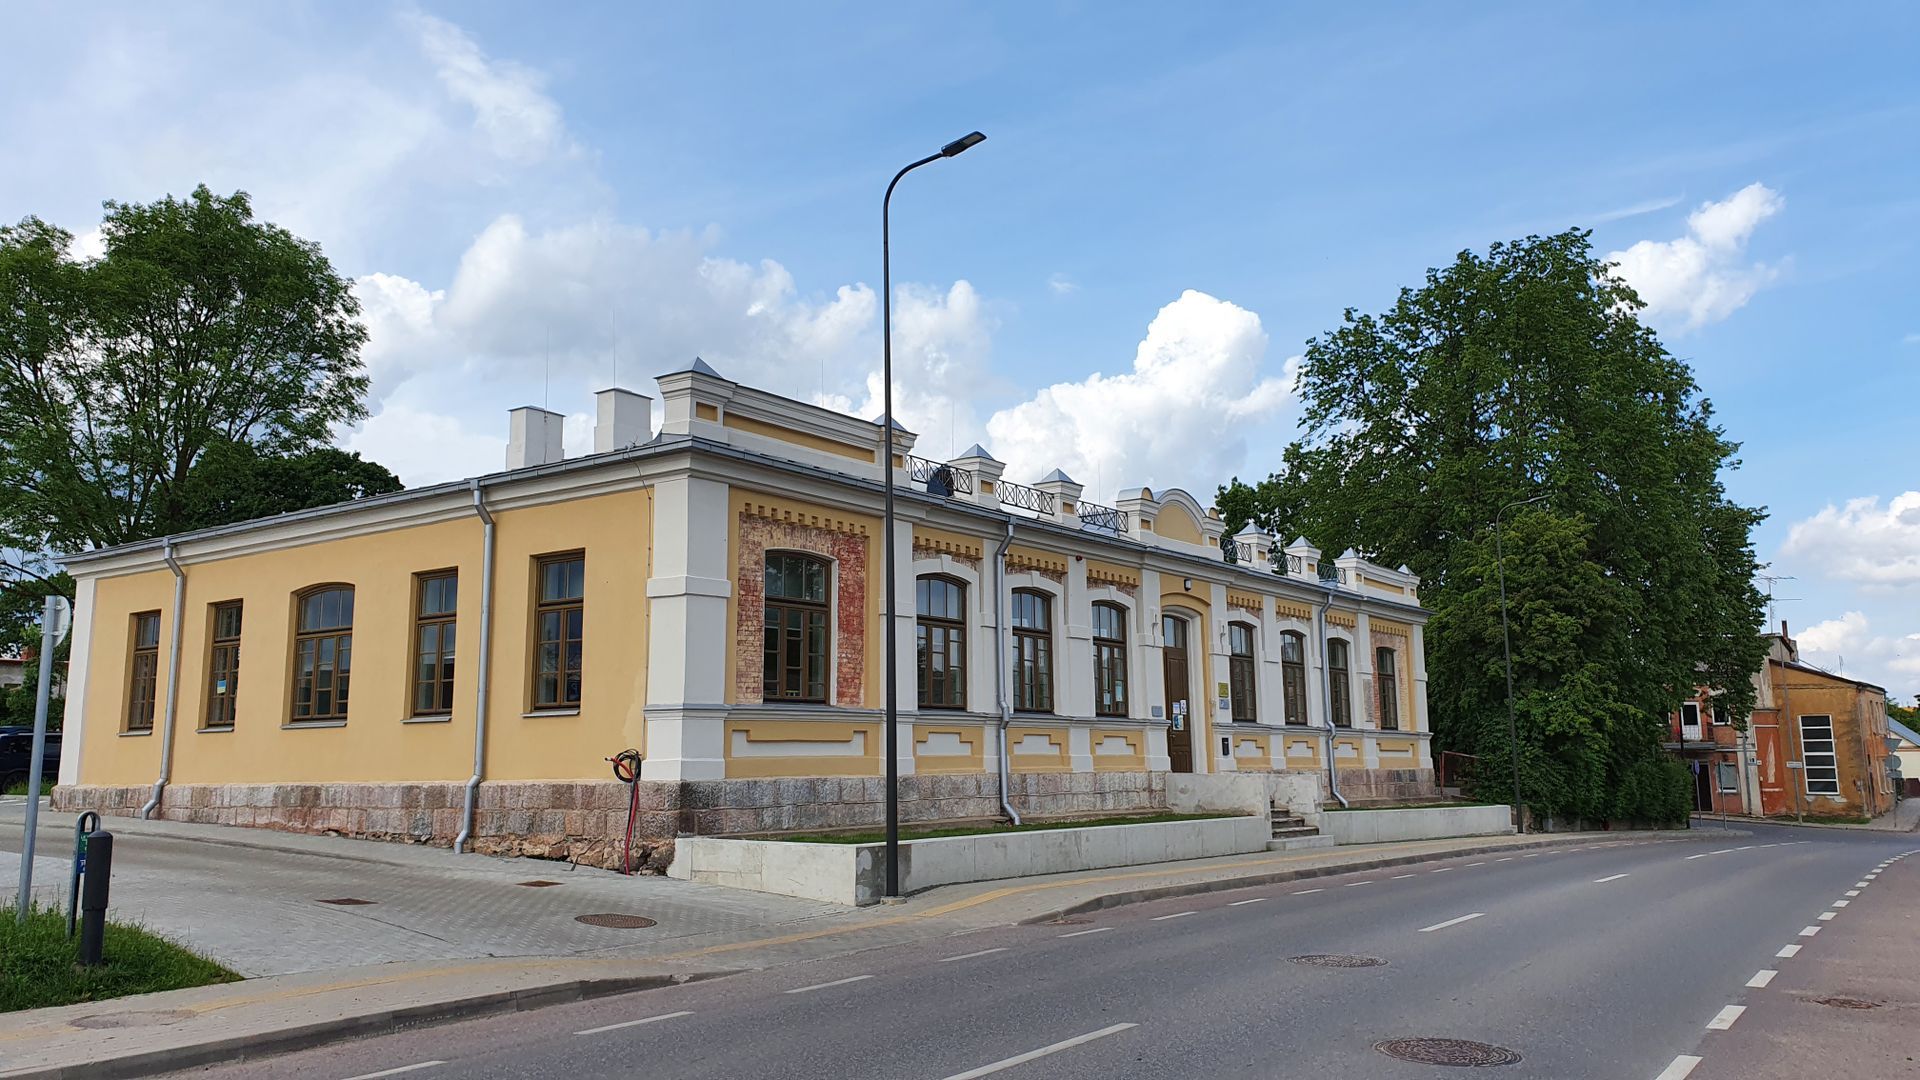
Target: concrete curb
point(1274, 877)
point(227, 1051)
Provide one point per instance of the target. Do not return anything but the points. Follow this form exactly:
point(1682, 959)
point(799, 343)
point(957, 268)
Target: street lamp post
point(1506, 641)
point(957, 146)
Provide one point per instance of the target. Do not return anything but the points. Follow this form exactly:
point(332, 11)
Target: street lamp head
point(963, 143)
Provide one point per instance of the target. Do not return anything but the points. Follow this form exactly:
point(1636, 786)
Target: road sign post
point(55, 620)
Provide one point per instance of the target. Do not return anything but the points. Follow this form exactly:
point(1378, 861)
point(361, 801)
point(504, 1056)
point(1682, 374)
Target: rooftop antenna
point(546, 383)
point(1771, 580)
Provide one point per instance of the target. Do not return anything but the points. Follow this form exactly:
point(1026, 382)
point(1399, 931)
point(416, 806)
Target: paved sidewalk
point(1903, 818)
point(181, 1029)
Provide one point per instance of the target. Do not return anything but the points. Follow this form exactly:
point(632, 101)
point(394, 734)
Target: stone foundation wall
point(1388, 785)
point(586, 821)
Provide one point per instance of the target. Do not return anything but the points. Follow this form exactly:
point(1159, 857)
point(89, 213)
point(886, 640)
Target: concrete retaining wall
point(1246, 793)
point(1427, 823)
point(855, 873)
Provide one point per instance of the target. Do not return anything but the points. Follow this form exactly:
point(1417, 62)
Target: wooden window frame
point(143, 670)
point(564, 643)
point(1293, 678)
point(1340, 682)
point(810, 616)
point(1110, 662)
point(1241, 673)
point(442, 677)
point(953, 630)
point(223, 665)
point(336, 636)
point(1387, 687)
point(1032, 656)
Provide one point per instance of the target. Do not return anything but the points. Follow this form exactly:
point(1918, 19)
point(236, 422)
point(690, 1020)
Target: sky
point(537, 204)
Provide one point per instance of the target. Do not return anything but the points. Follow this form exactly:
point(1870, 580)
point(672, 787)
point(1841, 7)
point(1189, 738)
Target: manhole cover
point(615, 922)
point(1336, 960)
point(1428, 1051)
point(539, 884)
point(150, 1018)
point(1846, 1003)
point(348, 901)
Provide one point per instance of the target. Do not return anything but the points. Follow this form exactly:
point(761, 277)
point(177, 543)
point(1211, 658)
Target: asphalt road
point(1604, 961)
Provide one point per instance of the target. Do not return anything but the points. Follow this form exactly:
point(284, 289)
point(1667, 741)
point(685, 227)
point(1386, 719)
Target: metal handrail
point(922, 471)
point(1096, 516)
point(1242, 553)
point(1024, 497)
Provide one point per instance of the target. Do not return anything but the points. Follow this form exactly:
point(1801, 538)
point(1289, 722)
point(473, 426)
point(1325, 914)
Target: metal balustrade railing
point(1024, 497)
point(938, 477)
point(1095, 516)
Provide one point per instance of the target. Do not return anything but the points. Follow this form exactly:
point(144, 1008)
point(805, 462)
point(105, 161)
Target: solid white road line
point(1682, 1066)
point(1826, 916)
point(1788, 951)
point(633, 1023)
point(1084, 933)
point(1255, 900)
point(1761, 978)
point(1034, 1055)
point(1449, 922)
point(1809, 931)
point(1175, 915)
point(1610, 877)
point(398, 1071)
point(1725, 1017)
point(1304, 892)
point(824, 985)
point(971, 955)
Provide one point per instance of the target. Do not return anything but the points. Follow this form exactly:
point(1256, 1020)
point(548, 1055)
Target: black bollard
point(93, 897)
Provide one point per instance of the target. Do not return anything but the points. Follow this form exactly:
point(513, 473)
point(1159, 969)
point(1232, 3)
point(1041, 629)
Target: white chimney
point(533, 437)
point(622, 419)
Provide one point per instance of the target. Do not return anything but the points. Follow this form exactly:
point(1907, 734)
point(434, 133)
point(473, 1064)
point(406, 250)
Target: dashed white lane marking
point(1034, 1055)
point(1841, 903)
point(1722, 851)
point(1175, 915)
point(1761, 978)
point(825, 985)
point(1442, 870)
point(1809, 931)
point(1084, 933)
point(1401, 877)
point(398, 1071)
point(1610, 877)
point(1509, 858)
point(1853, 892)
point(1352, 884)
point(1748, 847)
point(1304, 892)
point(1826, 916)
point(1471, 865)
point(634, 1023)
point(1255, 900)
point(1702, 855)
point(1450, 922)
point(971, 955)
point(1725, 1017)
point(1680, 1069)
point(1788, 951)
point(1860, 884)
point(1531, 855)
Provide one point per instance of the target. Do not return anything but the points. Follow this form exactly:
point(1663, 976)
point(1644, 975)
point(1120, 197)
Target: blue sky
point(1169, 203)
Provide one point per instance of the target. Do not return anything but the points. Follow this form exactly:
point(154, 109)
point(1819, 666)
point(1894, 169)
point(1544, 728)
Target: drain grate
point(1846, 1003)
point(1462, 1052)
point(348, 901)
point(1338, 960)
point(615, 922)
point(539, 884)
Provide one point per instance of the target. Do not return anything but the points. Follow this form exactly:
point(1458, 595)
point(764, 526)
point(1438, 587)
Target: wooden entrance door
point(1180, 731)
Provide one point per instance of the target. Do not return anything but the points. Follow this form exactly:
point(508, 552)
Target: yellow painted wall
point(1176, 522)
point(377, 743)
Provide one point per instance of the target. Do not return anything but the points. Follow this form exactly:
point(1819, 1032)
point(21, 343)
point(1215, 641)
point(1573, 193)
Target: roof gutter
point(483, 670)
point(1326, 683)
point(1001, 676)
point(173, 680)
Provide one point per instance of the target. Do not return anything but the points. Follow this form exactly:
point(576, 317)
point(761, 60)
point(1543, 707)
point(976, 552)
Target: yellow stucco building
point(459, 662)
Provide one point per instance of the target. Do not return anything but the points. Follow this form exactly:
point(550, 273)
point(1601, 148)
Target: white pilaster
point(74, 726)
point(1080, 749)
point(906, 668)
point(688, 638)
point(1418, 643)
point(1073, 681)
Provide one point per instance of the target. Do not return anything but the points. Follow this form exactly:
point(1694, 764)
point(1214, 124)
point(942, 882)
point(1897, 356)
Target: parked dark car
point(16, 757)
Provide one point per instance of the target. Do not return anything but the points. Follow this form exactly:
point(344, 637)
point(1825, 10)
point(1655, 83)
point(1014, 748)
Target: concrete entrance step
point(1281, 832)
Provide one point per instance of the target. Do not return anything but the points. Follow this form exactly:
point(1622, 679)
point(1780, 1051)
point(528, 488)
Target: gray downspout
point(483, 669)
point(1000, 674)
point(173, 681)
point(1326, 681)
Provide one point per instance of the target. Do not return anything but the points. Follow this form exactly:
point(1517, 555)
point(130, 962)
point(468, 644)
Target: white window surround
point(978, 624)
point(1819, 758)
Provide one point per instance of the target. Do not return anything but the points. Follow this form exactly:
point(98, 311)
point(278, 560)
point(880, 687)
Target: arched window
point(1386, 681)
point(942, 651)
point(1109, 659)
point(322, 654)
point(794, 657)
point(1240, 672)
point(1293, 675)
point(1340, 682)
point(1032, 651)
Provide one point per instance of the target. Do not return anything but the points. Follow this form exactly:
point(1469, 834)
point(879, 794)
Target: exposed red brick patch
point(758, 535)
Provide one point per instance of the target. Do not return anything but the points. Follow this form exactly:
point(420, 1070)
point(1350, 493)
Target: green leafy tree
point(198, 327)
point(234, 481)
point(1525, 371)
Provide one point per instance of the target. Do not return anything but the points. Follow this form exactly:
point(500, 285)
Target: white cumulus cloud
point(511, 109)
point(1704, 276)
point(1178, 419)
point(1849, 644)
point(1862, 541)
